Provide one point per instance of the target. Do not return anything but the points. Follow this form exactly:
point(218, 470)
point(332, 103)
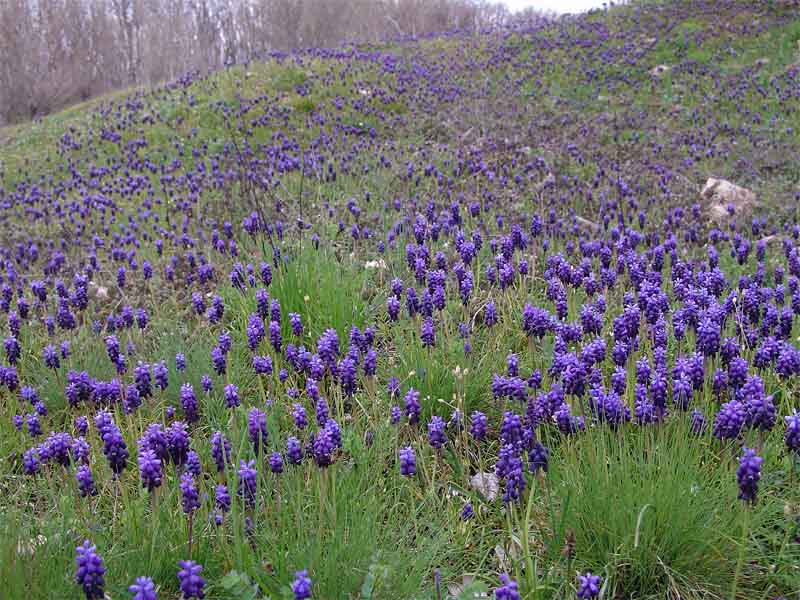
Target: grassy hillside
point(455, 306)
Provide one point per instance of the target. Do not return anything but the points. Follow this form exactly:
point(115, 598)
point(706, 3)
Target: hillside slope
point(380, 273)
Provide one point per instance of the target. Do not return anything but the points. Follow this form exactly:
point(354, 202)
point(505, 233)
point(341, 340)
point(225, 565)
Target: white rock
point(720, 194)
point(659, 70)
point(487, 484)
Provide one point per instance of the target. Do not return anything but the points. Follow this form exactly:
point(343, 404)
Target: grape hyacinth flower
point(247, 482)
point(222, 498)
point(730, 420)
point(323, 447)
point(190, 497)
point(408, 462)
point(294, 451)
point(257, 429)
point(143, 589)
point(436, 435)
point(412, 407)
point(90, 574)
point(231, 396)
point(748, 474)
point(428, 333)
point(299, 416)
point(149, 469)
point(301, 586)
point(193, 464)
point(220, 450)
point(115, 449)
point(276, 463)
point(792, 435)
point(189, 403)
point(479, 425)
point(589, 585)
point(86, 487)
point(191, 583)
point(508, 590)
point(30, 461)
point(538, 458)
point(296, 323)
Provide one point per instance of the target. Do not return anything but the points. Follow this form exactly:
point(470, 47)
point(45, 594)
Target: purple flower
point(247, 482)
point(219, 360)
point(190, 497)
point(294, 451)
point(81, 425)
point(428, 333)
point(141, 376)
point(115, 449)
point(299, 416)
point(536, 322)
point(276, 463)
point(589, 585)
point(231, 396)
point(255, 331)
point(508, 590)
point(193, 464)
point(90, 574)
point(13, 349)
point(178, 442)
point(412, 407)
point(436, 434)
point(149, 469)
point(30, 461)
point(323, 447)
point(275, 335)
point(191, 583)
point(408, 462)
point(748, 474)
point(189, 403)
point(509, 469)
point(511, 428)
point(222, 499)
point(490, 314)
point(83, 475)
point(538, 458)
point(296, 323)
point(347, 376)
point(730, 420)
point(792, 435)
point(51, 359)
point(512, 362)
point(467, 512)
point(257, 428)
point(301, 586)
point(143, 589)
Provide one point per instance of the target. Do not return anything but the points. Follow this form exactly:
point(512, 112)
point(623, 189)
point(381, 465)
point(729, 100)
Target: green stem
point(740, 560)
point(529, 567)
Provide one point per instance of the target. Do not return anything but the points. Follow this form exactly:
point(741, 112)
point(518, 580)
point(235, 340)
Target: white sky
point(561, 6)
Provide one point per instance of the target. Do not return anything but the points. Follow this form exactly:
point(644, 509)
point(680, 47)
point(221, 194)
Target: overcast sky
point(561, 6)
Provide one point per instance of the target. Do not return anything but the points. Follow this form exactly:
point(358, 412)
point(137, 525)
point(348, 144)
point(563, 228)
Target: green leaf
point(239, 586)
point(476, 589)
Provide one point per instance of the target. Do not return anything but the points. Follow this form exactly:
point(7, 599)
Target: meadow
point(440, 318)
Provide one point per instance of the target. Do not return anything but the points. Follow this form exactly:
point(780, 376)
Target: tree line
point(57, 52)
